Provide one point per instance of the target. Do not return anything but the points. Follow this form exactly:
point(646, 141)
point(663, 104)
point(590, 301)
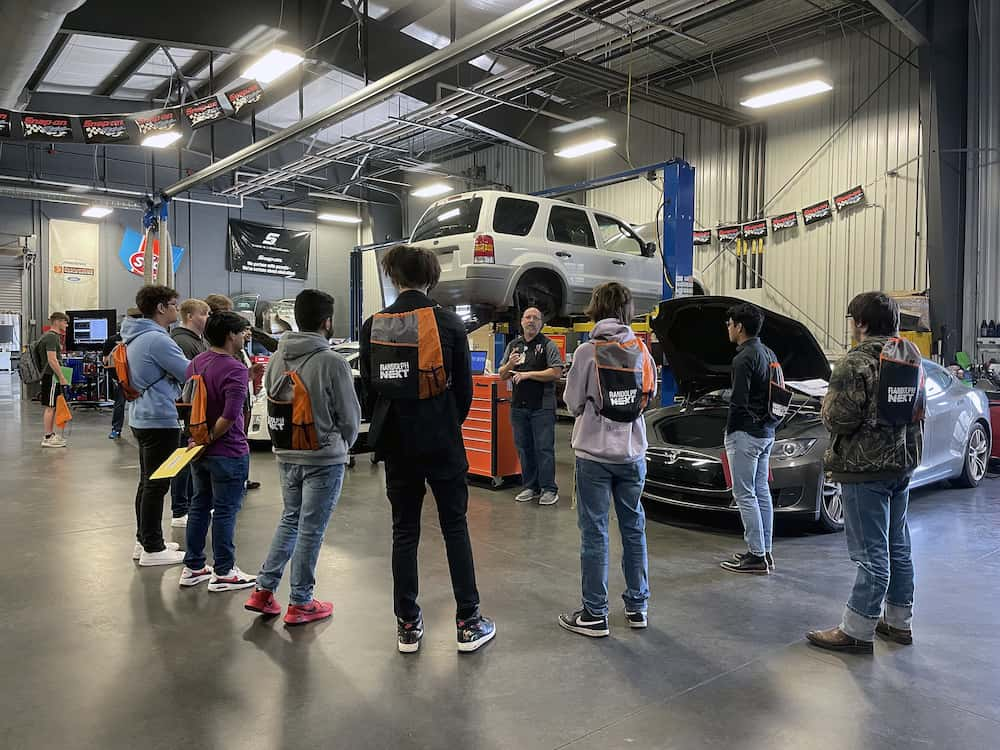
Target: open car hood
point(692, 332)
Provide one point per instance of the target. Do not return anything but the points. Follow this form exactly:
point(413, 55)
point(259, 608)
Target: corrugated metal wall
point(983, 228)
point(812, 272)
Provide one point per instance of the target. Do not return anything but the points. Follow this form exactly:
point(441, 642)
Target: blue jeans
point(749, 459)
point(310, 494)
point(596, 484)
point(535, 437)
point(218, 484)
point(878, 539)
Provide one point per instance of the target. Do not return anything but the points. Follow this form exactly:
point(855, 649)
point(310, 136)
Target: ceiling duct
point(58, 196)
point(26, 31)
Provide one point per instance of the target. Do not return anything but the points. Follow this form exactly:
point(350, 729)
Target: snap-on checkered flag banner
point(243, 96)
point(38, 127)
point(203, 112)
point(157, 122)
point(5, 118)
point(105, 130)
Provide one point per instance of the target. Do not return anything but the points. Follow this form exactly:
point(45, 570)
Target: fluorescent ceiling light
point(432, 190)
point(781, 70)
point(161, 140)
point(97, 212)
point(787, 94)
point(339, 218)
point(449, 214)
point(273, 65)
point(587, 147)
point(569, 127)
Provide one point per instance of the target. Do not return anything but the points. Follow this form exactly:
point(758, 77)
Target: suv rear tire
point(541, 289)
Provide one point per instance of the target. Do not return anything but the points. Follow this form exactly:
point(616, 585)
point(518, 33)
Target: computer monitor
point(89, 329)
point(478, 362)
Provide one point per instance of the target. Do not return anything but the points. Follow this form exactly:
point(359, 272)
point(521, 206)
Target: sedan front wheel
point(831, 507)
point(977, 457)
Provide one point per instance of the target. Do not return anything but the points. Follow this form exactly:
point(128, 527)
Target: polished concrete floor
point(98, 653)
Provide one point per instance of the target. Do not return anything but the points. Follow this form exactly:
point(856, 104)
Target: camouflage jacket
point(861, 449)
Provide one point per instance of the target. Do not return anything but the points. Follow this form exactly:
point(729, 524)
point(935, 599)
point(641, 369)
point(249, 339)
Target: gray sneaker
point(548, 498)
point(526, 496)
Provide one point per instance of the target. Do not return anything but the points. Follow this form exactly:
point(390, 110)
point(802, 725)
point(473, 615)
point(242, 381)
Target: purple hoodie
point(597, 438)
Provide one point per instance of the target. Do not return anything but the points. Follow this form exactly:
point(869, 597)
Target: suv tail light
point(483, 251)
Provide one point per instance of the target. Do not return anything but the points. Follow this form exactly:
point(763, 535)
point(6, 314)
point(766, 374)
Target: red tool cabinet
point(487, 432)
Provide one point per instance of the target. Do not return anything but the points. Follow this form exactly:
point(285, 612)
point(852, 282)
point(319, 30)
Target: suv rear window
point(454, 217)
point(514, 216)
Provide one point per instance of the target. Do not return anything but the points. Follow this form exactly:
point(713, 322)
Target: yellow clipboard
point(177, 461)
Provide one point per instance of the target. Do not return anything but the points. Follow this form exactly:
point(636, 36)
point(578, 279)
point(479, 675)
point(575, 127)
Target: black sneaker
point(475, 632)
point(747, 563)
point(636, 619)
point(585, 623)
point(409, 634)
point(767, 558)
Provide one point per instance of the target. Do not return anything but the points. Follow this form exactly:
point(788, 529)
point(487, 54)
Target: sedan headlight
point(787, 449)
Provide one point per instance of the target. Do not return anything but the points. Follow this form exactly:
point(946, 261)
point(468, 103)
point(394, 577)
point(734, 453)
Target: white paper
point(816, 388)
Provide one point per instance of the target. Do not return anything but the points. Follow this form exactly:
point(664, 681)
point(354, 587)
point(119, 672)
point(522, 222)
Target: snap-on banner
point(74, 265)
point(4, 123)
point(852, 197)
point(243, 96)
point(105, 129)
point(37, 127)
point(203, 112)
point(703, 237)
point(156, 122)
point(816, 212)
point(132, 252)
point(729, 234)
point(785, 221)
point(272, 251)
point(755, 229)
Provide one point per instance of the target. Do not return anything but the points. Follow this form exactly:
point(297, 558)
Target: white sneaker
point(526, 496)
point(548, 498)
point(137, 550)
point(179, 523)
point(233, 580)
point(56, 441)
point(194, 577)
point(167, 557)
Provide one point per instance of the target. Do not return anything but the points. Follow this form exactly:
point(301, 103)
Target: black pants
point(155, 447)
point(118, 415)
point(405, 487)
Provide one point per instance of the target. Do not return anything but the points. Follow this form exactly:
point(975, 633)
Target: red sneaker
point(300, 614)
point(263, 602)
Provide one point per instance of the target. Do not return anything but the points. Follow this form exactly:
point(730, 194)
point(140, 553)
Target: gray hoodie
point(328, 378)
point(597, 438)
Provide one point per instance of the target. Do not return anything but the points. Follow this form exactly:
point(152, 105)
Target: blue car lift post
point(678, 232)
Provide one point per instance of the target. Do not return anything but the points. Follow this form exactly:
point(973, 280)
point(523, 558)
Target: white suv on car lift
point(501, 250)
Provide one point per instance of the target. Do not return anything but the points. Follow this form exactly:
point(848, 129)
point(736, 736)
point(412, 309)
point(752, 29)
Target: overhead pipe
point(58, 196)
point(493, 34)
point(24, 39)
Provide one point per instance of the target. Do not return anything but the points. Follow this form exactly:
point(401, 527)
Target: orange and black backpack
point(779, 398)
point(407, 361)
point(901, 395)
point(192, 408)
point(627, 378)
point(119, 357)
point(289, 412)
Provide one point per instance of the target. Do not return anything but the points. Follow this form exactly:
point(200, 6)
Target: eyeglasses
point(172, 304)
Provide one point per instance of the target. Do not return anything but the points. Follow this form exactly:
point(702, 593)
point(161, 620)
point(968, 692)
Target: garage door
point(10, 289)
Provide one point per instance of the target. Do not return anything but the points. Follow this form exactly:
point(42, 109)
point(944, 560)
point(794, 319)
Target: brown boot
point(905, 637)
point(836, 639)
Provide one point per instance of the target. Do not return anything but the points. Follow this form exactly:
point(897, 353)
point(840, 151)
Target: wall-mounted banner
point(729, 234)
point(851, 198)
point(5, 119)
point(156, 122)
point(203, 112)
point(273, 251)
point(132, 252)
point(35, 127)
point(785, 221)
point(101, 129)
point(816, 212)
point(703, 237)
point(74, 259)
point(755, 229)
point(243, 96)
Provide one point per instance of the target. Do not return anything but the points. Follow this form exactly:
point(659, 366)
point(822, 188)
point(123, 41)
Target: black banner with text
point(273, 251)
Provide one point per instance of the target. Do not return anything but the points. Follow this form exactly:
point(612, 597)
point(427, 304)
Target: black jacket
point(428, 431)
point(190, 342)
point(751, 382)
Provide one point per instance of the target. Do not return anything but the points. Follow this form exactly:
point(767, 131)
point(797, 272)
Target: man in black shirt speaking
point(749, 438)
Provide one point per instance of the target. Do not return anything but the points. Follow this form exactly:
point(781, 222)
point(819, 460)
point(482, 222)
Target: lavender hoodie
point(596, 438)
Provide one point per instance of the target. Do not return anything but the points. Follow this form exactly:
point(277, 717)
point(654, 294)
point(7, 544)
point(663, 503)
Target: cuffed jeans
point(155, 447)
point(310, 494)
point(535, 437)
point(878, 539)
point(218, 483)
point(596, 484)
point(749, 460)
